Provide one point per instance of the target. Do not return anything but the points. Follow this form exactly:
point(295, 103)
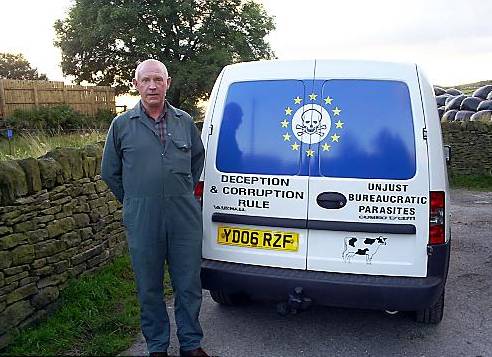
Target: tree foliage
point(16, 66)
point(102, 42)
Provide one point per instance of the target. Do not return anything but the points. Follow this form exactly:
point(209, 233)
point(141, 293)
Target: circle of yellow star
point(295, 146)
point(286, 137)
point(288, 111)
point(326, 147)
point(312, 96)
point(335, 137)
point(339, 124)
point(336, 111)
point(285, 123)
point(310, 153)
point(297, 100)
point(328, 100)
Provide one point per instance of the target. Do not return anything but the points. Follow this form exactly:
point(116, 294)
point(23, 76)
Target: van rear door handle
point(331, 200)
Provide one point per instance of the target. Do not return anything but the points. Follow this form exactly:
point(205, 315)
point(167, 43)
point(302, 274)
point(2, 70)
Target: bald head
point(151, 63)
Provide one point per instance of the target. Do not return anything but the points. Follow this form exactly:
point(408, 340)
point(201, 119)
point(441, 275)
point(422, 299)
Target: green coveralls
point(163, 219)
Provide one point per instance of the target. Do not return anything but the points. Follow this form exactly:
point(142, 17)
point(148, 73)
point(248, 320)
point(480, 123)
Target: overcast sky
point(451, 39)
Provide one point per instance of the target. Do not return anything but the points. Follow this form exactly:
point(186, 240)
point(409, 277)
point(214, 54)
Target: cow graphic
point(362, 246)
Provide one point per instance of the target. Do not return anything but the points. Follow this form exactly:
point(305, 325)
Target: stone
point(65, 254)
point(12, 240)
point(70, 160)
point(98, 259)
point(97, 203)
point(72, 238)
point(28, 280)
point(12, 182)
point(15, 270)
point(51, 172)
point(61, 226)
point(46, 270)
point(113, 206)
point(84, 256)
point(10, 216)
point(5, 230)
point(37, 235)
point(2, 279)
point(16, 277)
point(52, 210)
point(82, 208)
point(23, 254)
point(5, 259)
point(62, 266)
point(44, 219)
point(25, 226)
point(81, 220)
point(33, 175)
point(61, 201)
point(38, 263)
point(7, 338)
point(101, 186)
point(48, 248)
point(53, 280)
point(8, 288)
point(86, 233)
point(77, 270)
point(21, 293)
point(45, 296)
point(88, 188)
point(14, 314)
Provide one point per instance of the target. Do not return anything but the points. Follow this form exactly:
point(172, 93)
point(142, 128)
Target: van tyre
point(227, 299)
point(433, 314)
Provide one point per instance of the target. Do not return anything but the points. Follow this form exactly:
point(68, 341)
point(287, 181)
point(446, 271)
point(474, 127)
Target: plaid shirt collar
point(159, 123)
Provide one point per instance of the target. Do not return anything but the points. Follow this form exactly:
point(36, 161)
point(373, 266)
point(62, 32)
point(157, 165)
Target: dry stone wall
point(58, 220)
point(471, 147)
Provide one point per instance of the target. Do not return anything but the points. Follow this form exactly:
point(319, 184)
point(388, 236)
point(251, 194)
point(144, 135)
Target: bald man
point(152, 160)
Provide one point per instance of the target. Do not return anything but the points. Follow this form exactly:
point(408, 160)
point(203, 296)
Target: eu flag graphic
point(334, 128)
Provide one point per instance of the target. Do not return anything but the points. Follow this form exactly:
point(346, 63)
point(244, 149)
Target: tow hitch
point(296, 302)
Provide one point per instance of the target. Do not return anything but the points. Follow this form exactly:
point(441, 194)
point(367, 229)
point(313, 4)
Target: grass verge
point(27, 144)
point(477, 183)
point(98, 315)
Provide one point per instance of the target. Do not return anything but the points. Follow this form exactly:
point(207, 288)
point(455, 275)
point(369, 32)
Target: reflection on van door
point(256, 176)
point(368, 186)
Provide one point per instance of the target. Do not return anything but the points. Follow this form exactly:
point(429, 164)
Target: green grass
point(98, 315)
point(477, 183)
point(26, 144)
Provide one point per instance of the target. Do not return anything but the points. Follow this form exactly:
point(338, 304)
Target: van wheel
point(433, 314)
point(223, 298)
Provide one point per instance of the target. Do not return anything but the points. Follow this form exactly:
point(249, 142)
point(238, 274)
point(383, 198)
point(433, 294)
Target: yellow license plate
point(255, 238)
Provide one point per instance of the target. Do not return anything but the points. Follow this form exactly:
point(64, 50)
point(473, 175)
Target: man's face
point(152, 84)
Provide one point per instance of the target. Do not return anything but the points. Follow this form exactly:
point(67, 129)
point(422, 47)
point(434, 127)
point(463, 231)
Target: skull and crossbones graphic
point(311, 123)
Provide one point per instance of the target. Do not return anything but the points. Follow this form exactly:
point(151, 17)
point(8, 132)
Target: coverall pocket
point(181, 156)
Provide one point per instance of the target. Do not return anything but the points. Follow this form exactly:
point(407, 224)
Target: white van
point(325, 182)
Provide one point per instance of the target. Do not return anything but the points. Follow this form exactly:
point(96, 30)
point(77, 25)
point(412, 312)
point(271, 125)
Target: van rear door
point(368, 188)
point(255, 199)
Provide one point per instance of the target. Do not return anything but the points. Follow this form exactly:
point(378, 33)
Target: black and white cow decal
point(362, 246)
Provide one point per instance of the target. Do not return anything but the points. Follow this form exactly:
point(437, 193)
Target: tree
point(102, 42)
point(15, 66)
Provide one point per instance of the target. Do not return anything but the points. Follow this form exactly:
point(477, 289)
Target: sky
point(450, 39)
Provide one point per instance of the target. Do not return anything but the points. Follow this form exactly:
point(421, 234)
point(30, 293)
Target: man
point(152, 160)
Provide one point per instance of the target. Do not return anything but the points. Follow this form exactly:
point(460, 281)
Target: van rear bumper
point(333, 289)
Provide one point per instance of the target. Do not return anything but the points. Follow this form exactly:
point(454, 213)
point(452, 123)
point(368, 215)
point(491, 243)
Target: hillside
point(469, 87)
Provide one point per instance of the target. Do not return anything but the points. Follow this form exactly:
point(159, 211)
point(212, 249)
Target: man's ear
point(134, 81)
point(168, 82)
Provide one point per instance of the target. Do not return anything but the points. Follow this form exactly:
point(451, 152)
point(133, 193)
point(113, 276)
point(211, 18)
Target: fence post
point(64, 94)
point(2, 99)
point(35, 89)
point(93, 102)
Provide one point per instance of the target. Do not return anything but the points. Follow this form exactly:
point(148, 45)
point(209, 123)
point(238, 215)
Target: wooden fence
point(23, 94)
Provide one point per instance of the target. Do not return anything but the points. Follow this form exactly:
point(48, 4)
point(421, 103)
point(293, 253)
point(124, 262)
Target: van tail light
point(199, 192)
point(436, 218)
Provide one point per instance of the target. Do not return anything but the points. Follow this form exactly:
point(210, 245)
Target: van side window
point(376, 139)
point(251, 131)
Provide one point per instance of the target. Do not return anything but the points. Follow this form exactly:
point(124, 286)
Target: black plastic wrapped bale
point(448, 99)
point(483, 91)
point(440, 110)
point(439, 91)
point(455, 102)
point(470, 103)
point(485, 105)
point(454, 91)
point(463, 115)
point(449, 115)
point(441, 99)
point(484, 116)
